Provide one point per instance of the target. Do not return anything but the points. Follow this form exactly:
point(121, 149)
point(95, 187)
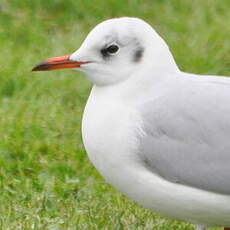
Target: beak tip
point(41, 66)
point(34, 69)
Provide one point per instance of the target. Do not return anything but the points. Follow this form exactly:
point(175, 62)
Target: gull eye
point(110, 50)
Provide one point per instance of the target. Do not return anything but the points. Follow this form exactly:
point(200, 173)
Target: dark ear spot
point(138, 54)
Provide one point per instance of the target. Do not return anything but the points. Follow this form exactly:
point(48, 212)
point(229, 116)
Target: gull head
point(114, 51)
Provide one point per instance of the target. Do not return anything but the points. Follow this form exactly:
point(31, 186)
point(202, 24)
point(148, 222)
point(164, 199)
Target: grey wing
point(187, 138)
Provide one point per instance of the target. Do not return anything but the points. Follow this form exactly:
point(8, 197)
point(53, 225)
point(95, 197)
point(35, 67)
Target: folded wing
point(187, 134)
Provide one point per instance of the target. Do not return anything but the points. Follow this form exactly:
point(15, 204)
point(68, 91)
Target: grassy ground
point(46, 180)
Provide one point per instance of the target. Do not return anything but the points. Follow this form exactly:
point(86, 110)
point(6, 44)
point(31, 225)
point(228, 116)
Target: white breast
point(108, 134)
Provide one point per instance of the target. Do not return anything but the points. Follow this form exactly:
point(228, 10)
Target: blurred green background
point(46, 180)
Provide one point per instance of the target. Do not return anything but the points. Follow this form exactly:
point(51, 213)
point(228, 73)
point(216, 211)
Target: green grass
point(46, 180)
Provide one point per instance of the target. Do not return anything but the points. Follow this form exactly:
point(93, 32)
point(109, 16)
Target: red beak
point(62, 62)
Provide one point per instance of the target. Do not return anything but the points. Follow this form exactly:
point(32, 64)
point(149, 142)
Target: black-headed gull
point(159, 135)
